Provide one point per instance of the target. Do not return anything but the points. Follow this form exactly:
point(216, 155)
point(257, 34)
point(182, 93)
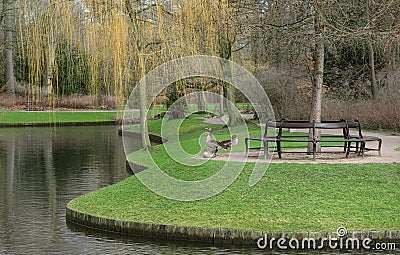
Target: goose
point(210, 141)
point(208, 153)
point(227, 144)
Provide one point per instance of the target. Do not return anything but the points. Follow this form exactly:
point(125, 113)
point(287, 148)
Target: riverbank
point(45, 118)
point(290, 198)
point(225, 236)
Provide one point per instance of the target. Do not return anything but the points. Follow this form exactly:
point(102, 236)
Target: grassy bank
point(15, 117)
point(290, 197)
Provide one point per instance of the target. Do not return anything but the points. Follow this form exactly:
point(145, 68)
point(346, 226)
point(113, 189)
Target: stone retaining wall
point(211, 235)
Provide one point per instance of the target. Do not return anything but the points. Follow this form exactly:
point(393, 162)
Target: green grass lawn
point(290, 197)
point(194, 127)
point(11, 117)
point(156, 109)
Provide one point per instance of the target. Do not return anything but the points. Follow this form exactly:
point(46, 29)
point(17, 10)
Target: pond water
point(42, 169)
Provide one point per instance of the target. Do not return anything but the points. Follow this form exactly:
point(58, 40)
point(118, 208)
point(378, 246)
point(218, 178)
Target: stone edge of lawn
point(52, 124)
point(213, 235)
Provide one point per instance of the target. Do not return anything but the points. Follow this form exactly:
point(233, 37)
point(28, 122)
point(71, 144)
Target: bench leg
point(266, 149)
point(365, 148)
point(362, 149)
point(379, 147)
point(348, 149)
point(314, 150)
point(246, 141)
point(278, 145)
point(265, 144)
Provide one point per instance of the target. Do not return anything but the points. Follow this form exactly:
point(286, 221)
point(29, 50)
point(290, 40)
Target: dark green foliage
point(73, 76)
point(173, 95)
point(347, 72)
point(178, 110)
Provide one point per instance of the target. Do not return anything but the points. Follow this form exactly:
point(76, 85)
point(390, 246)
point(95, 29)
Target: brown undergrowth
point(72, 102)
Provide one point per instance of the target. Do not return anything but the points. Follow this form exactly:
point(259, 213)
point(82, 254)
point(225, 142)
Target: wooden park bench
point(360, 140)
point(267, 138)
point(343, 140)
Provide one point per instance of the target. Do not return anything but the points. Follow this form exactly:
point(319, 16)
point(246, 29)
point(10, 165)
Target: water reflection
point(42, 169)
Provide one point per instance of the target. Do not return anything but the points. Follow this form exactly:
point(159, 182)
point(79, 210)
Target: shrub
point(289, 102)
point(373, 114)
point(281, 86)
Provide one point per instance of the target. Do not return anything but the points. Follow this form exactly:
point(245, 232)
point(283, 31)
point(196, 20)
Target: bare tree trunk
point(201, 102)
point(8, 10)
point(221, 101)
point(315, 114)
point(144, 130)
point(225, 48)
point(48, 95)
point(319, 51)
point(374, 87)
point(142, 90)
point(234, 117)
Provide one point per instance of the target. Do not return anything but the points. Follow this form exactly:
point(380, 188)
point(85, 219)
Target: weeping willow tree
point(204, 28)
point(80, 47)
point(105, 47)
point(193, 32)
point(39, 31)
